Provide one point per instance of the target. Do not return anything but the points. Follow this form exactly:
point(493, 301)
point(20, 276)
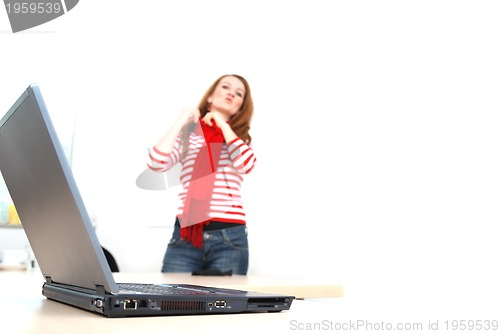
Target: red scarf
point(197, 203)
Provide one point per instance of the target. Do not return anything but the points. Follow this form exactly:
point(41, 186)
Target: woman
point(212, 142)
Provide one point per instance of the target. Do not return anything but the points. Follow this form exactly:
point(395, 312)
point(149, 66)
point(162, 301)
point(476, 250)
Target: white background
point(376, 131)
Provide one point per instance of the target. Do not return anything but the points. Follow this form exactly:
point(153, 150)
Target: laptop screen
point(42, 187)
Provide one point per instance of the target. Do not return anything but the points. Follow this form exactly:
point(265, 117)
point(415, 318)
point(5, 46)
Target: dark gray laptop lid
point(43, 189)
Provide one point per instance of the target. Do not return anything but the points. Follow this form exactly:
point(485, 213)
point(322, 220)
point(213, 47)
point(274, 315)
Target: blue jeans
point(225, 249)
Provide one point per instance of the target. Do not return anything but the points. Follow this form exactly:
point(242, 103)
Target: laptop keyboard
point(166, 289)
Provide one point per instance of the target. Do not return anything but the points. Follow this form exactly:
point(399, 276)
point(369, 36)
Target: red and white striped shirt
point(237, 158)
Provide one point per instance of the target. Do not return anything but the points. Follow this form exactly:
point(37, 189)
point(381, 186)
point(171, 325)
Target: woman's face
point(228, 96)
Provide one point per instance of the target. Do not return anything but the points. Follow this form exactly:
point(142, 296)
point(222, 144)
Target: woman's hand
point(189, 115)
point(221, 123)
point(216, 117)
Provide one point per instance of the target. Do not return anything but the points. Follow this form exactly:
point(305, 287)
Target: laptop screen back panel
point(42, 187)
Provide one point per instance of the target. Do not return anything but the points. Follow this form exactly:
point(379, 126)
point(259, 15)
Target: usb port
point(220, 304)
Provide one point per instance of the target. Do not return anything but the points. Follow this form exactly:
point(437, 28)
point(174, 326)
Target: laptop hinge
point(100, 289)
point(48, 279)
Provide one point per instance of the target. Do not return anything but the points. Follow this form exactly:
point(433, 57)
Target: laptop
point(63, 239)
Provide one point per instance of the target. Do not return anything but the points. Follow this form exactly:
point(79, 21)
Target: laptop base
point(130, 304)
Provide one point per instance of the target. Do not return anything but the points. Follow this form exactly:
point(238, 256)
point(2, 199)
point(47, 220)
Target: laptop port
point(220, 304)
point(153, 305)
point(130, 304)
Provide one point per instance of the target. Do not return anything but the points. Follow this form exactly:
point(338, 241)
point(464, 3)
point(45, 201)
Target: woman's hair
point(240, 122)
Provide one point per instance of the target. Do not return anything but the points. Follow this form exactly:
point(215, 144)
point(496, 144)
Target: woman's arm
point(242, 156)
point(165, 153)
point(166, 143)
